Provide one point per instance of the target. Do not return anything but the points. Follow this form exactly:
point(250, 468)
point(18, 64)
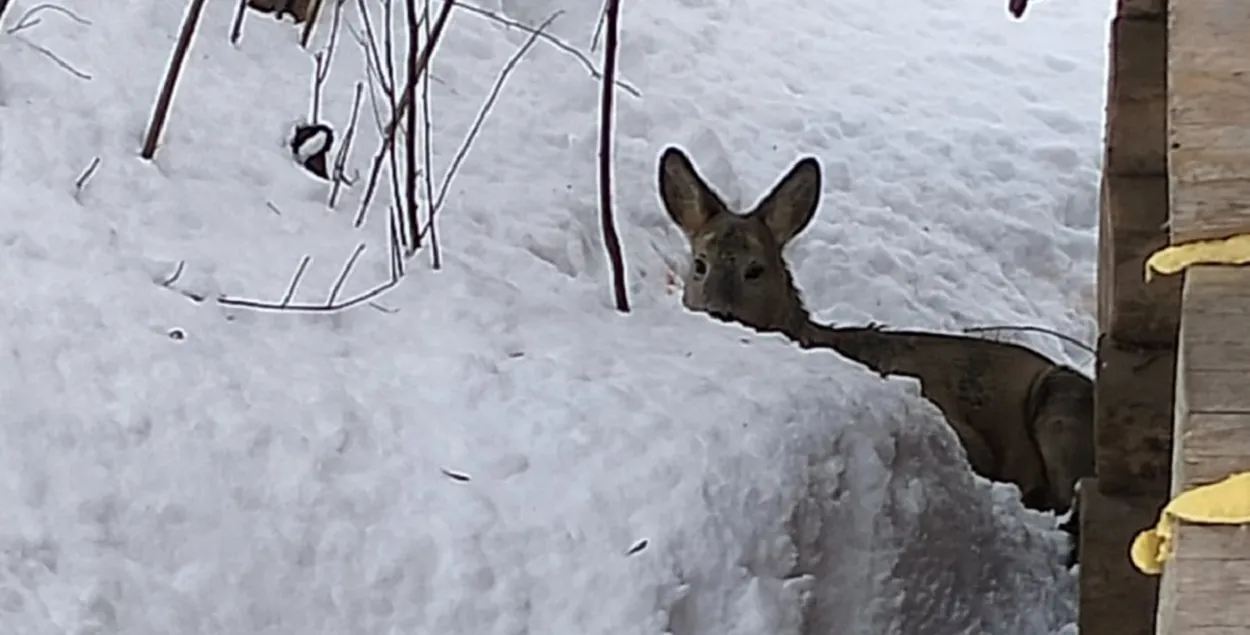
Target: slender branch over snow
point(610, 239)
point(1035, 329)
point(166, 97)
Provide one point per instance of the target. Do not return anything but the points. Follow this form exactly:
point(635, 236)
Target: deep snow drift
point(487, 455)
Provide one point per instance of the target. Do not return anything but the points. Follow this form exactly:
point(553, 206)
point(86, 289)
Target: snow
point(488, 454)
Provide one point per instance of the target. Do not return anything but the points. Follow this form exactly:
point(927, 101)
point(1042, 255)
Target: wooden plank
point(1132, 223)
point(1204, 590)
point(1109, 583)
point(1209, 118)
point(1214, 341)
point(1133, 418)
point(1136, 127)
point(1214, 448)
point(1206, 583)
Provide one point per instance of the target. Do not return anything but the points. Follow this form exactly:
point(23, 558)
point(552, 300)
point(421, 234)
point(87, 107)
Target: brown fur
point(1021, 418)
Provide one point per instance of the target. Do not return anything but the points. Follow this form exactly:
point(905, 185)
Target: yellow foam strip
point(1225, 502)
point(1234, 250)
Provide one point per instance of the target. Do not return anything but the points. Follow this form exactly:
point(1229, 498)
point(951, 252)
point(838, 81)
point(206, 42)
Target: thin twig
point(324, 58)
point(410, 142)
point(340, 159)
point(236, 28)
point(173, 277)
point(427, 145)
point(554, 41)
point(163, 101)
point(388, 139)
point(85, 176)
point(30, 17)
point(1035, 329)
point(306, 34)
point(347, 270)
point(610, 239)
point(299, 273)
point(310, 308)
point(594, 39)
point(54, 57)
point(476, 127)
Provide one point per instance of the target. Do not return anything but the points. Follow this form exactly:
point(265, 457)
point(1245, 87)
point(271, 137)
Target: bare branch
point(554, 41)
point(311, 308)
point(173, 277)
point(163, 102)
point(594, 39)
point(1035, 329)
point(427, 147)
point(299, 273)
point(611, 241)
point(347, 270)
point(30, 17)
point(54, 57)
point(340, 158)
point(236, 27)
point(388, 138)
point(323, 60)
point(306, 34)
point(476, 127)
point(85, 176)
point(410, 142)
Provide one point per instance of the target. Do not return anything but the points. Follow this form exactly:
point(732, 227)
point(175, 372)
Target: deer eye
point(700, 267)
point(753, 271)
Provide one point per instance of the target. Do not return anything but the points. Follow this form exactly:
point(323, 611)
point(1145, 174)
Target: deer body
point(1020, 417)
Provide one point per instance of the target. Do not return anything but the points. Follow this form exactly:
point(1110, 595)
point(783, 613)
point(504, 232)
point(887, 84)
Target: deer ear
point(687, 198)
point(791, 204)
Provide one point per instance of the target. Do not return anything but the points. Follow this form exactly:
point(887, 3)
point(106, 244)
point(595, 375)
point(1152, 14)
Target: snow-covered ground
point(499, 452)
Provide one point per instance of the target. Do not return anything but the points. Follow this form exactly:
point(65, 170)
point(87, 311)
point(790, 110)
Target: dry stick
point(397, 261)
point(554, 41)
point(427, 145)
point(324, 58)
point(236, 28)
point(340, 158)
point(1034, 329)
point(388, 139)
point(372, 70)
point(171, 77)
point(310, 308)
point(594, 39)
point(299, 273)
point(397, 193)
point(610, 239)
point(308, 24)
point(330, 306)
point(81, 181)
point(30, 19)
point(4, 4)
point(318, 79)
point(347, 269)
point(476, 127)
point(410, 143)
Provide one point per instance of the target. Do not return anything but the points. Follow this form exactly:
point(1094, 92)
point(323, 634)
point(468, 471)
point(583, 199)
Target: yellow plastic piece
point(1234, 250)
point(1225, 502)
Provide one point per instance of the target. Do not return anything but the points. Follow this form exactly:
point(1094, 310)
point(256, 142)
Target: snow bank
point(490, 457)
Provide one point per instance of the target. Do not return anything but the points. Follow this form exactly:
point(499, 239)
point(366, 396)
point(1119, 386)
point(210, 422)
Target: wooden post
point(1138, 325)
point(1205, 588)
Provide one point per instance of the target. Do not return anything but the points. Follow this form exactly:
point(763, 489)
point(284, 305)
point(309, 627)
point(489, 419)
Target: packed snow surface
point(491, 449)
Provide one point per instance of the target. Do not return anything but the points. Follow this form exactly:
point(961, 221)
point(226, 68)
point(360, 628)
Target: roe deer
point(1020, 417)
